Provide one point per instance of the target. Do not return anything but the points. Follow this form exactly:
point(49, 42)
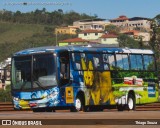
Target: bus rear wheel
point(131, 102)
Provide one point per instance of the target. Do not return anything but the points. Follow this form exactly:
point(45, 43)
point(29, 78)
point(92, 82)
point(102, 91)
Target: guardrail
point(6, 106)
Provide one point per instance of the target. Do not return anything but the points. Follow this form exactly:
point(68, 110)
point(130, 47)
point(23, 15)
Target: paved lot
point(128, 119)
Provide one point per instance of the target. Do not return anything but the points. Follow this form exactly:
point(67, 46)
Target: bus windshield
point(33, 72)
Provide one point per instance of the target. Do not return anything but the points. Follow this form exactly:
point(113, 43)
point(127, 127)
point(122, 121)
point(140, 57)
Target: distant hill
point(16, 36)
point(11, 32)
point(33, 29)
point(13, 36)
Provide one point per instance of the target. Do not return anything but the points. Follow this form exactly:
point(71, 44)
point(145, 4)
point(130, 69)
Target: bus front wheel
point(78, 105)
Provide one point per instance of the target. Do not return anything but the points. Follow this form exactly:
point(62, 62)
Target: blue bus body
point(49, 78)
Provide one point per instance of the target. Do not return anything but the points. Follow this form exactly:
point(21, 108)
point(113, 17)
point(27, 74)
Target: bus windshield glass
point(33, 72)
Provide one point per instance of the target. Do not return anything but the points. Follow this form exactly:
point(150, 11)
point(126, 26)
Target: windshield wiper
point(37, 82)
point(23, 85)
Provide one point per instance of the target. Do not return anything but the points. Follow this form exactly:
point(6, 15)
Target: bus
point(83, 78)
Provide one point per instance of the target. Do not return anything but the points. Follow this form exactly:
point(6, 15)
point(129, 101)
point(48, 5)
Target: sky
point(107, 9)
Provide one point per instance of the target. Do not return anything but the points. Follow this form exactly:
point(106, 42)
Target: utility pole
point(56, 36)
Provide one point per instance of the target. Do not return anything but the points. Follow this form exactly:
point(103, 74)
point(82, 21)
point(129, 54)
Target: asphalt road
point(109, 119)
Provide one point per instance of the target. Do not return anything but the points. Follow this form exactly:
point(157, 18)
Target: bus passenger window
point(64, 68)
point(95, 60)
point(76, 61)
point(122, 61)
point(136, 62)
point(109, 61)
point(106, 61)
point(149, 63)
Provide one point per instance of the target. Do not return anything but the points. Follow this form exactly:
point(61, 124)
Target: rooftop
point(74, 40)
point(92, 31)
point(90, 20)
point(109, 36)
point(134, 32)
point(121, 18)
point(130, 19)
point(138, 18)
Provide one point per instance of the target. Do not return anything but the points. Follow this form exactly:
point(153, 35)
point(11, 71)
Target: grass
point(15, 37)
point(10, 32)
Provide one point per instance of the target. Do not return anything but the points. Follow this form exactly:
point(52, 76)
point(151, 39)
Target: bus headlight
point(15, 98)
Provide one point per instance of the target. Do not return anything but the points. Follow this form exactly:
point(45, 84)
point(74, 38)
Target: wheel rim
point(130, 103)
point(78, 104)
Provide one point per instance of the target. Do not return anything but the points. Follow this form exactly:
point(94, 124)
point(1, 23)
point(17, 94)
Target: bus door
point(64, 75)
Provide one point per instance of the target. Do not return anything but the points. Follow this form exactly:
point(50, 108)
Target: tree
point(126, 41)
point(155, 38)
point(112, 29)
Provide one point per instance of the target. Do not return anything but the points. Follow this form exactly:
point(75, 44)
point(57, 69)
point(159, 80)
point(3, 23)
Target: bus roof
point(81, 49)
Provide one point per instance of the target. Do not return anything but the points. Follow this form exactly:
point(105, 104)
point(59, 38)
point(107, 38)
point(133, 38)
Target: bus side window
point(64, 68)
point(149, 62)
point(106, 61)
point(136, 62)
point(76, 61)
point(95, 61)
point(122, 61)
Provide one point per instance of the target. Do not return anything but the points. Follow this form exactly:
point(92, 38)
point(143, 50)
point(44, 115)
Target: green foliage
point(112, 29)
point(56, 18)
point(155, 38)
point(5, 95)
point(30, 36)
point(126, 41)
point(25, 30)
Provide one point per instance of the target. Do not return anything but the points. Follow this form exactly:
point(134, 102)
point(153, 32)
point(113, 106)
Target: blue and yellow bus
point(83, 78)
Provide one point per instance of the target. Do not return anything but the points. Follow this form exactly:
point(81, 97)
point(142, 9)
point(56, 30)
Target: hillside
point(10, 32)
point(15, 37)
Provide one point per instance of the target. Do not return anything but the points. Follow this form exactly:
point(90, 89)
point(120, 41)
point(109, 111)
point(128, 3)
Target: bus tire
point(78, 105)
point(131, 102)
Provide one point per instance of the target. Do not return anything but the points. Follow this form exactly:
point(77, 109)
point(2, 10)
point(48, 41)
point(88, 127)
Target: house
point(110, 39)
point(66, 30)
point(138, 35)
point(131, 23)
point(95, 24)
point(73, 41)
point(90, 34)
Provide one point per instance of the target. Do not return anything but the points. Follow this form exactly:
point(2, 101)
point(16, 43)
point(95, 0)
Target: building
point(73, 41)
point(95, 24)
point(138, 35)
point(110, 39)
point(91, 35)
point(66, 30)
point(131, 23)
